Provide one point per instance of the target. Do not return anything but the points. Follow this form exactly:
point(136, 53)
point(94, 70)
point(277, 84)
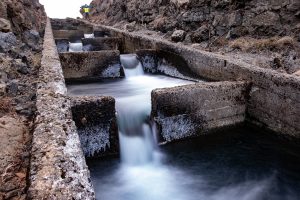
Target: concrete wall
point(58, 169)
point(95, 118)
point(190, 110)
point(103, 43)
point(91, 65)
point(71, 35)
point(284, 89)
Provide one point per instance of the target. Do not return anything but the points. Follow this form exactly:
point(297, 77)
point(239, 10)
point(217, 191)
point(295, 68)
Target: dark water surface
point(240, 163)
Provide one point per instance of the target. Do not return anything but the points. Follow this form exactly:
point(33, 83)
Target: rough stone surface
point(32, 38)
point(58, 169)
point(23, 15)
point(254, 17)
point(91, 65)
point(178, 35)
point(7, 41)
point(96, 125)
point(184, 111)
point(5, 25)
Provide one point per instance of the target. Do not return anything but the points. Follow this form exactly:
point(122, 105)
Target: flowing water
point(75, 47)
point(236, 165)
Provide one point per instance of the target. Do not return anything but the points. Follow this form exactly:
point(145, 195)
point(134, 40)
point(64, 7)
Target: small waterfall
point(89, 35)
point(75, 47)
point(136, 138)
point(132, 66)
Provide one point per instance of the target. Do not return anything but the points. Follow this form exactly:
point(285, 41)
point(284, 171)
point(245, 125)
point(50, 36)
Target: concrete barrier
point(96, 124)
point(58, 169)
point(70, 35)
point(103, 43)
point(91, 65)
point(191, 110)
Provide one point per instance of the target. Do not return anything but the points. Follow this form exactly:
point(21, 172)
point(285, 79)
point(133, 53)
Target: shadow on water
point(241, 163)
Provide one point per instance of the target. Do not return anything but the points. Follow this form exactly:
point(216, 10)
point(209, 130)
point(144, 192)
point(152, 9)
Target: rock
point(3, 77)
point(32, 38)
point(2, 89)
point(130, 27)
point(178, 35)
point(200, 35)
point(297, 73)
point(21, 67)
point(5, 25)
point(7, 41)
point(12, 88)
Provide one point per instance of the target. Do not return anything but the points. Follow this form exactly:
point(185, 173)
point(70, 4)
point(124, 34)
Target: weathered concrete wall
point(164, 62)
point(190, 110)
point(284, 88)
point(91, 65)
point(71, 24)
point(103, 43)
point(95, 118)
point(71, 35)
point(58, 169)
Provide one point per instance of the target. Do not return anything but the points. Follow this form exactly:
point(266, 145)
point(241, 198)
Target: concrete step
point(191, 110)
point(96, 65)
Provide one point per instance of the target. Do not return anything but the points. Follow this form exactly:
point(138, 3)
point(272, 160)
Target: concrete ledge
point(71, 35)
point(58, 168)
point(91, 65)
point(101, 43)
point(190, 110)
point(96, 123)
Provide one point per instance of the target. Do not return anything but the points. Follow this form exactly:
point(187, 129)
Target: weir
point(142, 98)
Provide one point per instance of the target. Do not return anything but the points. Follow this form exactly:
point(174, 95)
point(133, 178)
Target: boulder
point(5, 25)
point(200, 35)
point(7, 41)
point(178, 35)
point(32, 38)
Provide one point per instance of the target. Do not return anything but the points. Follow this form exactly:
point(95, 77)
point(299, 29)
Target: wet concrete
point(96, 124)
point(190, 110)
point(91, 65)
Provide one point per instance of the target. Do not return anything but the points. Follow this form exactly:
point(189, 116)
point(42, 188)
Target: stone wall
point(185, 111)
point(203, 19)
point(95, 119)
point(58, 168)
point(91, 65)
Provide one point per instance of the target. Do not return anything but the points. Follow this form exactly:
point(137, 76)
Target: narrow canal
point(235, 164)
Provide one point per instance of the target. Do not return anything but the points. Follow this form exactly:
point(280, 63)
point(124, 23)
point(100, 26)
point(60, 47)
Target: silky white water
point(89, 35)
point(75, 47)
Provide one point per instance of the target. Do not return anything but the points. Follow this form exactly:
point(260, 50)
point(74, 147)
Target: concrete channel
point(68, 128)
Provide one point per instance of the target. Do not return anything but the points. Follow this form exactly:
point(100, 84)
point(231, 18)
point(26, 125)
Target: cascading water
point(89, 35)
point(75, 47)
point(200, 169)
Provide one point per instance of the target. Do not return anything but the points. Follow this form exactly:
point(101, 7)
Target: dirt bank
point(21, 28)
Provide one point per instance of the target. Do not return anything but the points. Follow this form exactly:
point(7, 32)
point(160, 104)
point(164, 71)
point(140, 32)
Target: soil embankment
point(21, 29)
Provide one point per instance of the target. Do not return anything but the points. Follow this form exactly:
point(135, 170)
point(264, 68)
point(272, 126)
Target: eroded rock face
point(254, 17)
